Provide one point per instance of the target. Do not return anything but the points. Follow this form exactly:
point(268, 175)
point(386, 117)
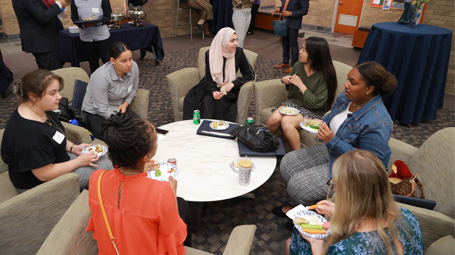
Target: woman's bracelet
point(71, 148)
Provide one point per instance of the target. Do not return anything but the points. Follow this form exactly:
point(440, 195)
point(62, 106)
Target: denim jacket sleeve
point(372, 138)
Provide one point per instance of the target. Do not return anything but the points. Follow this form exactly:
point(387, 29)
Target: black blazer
point(39, 26)
point(298, 9)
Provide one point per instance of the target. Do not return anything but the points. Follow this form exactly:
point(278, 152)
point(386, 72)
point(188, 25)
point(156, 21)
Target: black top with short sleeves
point(29, 144)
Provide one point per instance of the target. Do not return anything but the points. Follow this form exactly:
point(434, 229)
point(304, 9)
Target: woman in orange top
point(142, 213)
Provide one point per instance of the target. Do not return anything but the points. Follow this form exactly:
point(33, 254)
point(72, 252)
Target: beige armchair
point(270, 93)
point(181, 81)
point(78, 134)
point(69, 235)
point(27, 218)
point(435, 163)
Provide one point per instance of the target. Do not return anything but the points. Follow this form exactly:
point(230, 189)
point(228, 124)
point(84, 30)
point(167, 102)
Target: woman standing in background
point(205, 9)
point(94, 36)
point(241, 18)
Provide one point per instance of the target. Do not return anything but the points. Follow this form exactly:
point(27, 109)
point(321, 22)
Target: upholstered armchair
point(78, 134)
point(27, 218)
point(435, 163)
point(69, 235)
point(181, 81)
point(270, 93)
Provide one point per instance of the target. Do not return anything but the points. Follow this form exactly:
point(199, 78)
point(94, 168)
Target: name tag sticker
point(95, 10)
point(58, 137)
point(130, 88)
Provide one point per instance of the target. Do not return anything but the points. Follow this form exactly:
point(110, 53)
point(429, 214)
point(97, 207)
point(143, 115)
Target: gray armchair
point(78, 134)
point(270, 93)
point(69, 235)
point(181, 81)
point(435, 163)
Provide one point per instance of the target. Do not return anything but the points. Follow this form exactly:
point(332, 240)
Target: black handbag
point(257, 138)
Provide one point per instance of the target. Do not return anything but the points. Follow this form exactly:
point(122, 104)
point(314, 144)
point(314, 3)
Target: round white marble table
point(204, 164)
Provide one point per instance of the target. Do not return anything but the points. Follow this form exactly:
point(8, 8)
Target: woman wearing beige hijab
point(216, 94)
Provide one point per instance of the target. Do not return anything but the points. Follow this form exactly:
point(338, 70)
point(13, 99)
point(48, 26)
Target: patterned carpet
point(219, 218)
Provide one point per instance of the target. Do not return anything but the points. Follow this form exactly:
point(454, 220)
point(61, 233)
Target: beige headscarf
point(217, 51)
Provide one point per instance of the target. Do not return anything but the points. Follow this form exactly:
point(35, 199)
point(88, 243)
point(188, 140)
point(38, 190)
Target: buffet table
point(145, 38)
point(419, 58)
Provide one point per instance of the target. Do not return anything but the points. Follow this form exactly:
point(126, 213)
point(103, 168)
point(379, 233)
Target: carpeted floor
point(219, 218)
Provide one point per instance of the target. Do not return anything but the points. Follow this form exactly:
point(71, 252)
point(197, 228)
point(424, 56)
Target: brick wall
point(442, 13)
point(371, 15)
point(319, 15)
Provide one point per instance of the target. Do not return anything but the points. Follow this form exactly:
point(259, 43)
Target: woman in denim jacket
point(358, 120)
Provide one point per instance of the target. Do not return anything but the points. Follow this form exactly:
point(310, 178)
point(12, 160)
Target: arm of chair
point(434, 225)
point(240, 240)
point(69, 235)
point(400, 151)
point(140, 104)
point(268, 94)
point(76, 134)
point(28, 218)
point(180, 82)
point(243, 102)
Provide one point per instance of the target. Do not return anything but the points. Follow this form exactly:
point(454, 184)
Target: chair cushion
point(434, 163)
point(181, 104)
point(443, 246)
point(7, 189)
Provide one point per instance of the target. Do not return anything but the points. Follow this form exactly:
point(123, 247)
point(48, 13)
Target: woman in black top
point(34, 145)
point(216, 94)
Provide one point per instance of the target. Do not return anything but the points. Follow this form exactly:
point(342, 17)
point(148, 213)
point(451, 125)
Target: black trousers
point(185, 214)
point(254, 11)
point(96, 50)
point(291, 47)
point(94, 122)
point(48, 60)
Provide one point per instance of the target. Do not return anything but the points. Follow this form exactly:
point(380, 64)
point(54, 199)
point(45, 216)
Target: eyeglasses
point(331, 189)
point(331, 184)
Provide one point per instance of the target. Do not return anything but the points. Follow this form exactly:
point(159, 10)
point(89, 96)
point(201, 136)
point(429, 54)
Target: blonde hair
point(362, 193)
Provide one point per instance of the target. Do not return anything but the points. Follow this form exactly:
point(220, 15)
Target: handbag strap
point(109, 231)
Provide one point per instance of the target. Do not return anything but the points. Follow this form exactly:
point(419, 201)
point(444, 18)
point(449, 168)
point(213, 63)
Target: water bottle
point(62, 14)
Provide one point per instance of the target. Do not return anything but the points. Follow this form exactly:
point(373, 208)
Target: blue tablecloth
point(222, 15)
point(419, 58)
point(146, 38)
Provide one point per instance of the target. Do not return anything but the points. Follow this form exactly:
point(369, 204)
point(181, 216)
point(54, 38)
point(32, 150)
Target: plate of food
point(310, 125)
point(307, 222)
point(161, 171)
point(289, 111)
point(219, 125)
point(235, 165)
point(98, 149)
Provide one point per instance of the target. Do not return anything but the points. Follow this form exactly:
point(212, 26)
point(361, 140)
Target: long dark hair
point(321, 60)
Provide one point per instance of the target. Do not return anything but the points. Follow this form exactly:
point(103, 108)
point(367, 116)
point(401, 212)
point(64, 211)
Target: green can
point(249, 121)
point(197, 117)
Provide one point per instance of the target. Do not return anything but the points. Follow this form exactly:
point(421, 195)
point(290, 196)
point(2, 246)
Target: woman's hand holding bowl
point(77, 149)
point(87, 159)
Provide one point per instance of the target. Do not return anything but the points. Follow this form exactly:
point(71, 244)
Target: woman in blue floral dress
point(365, 219)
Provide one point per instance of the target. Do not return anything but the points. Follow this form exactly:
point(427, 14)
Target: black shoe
point(278, 211)
point(208, 35)
point(289, 225)
point(201, 27)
